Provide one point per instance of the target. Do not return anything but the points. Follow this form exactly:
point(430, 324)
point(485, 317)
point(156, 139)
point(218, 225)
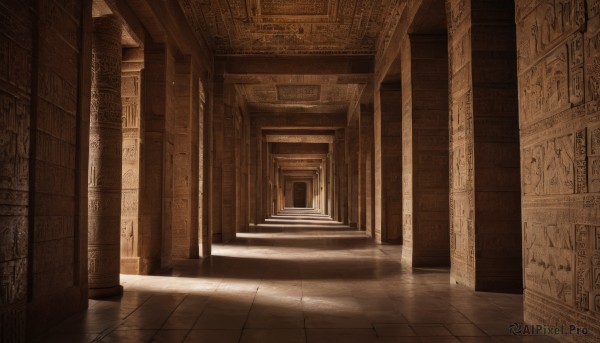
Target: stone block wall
point(16, 87)
point(560, 163)
point(44, 123)
point(57, 285)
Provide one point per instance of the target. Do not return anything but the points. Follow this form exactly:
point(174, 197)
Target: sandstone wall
point(558, 55)
point(44, 123)
point(60, 112)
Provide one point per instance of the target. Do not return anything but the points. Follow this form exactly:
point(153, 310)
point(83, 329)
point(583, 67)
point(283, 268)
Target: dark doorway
point(300, 194)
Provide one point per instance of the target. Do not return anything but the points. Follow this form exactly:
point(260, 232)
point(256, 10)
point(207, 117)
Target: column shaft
point(105, 162)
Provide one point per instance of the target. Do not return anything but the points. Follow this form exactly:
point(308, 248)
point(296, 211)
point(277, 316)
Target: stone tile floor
point(314, 282)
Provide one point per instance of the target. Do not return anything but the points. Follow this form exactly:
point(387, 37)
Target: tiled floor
point(305, 282)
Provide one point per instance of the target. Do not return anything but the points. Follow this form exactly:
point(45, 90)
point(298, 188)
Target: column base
point(97, 293)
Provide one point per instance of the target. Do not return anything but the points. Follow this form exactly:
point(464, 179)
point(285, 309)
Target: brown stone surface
point(131, 100)
point(306, 26)
point(185, 162)
point(421, 122)
point(365, 178)
point(105, 163)
point(15, 146)
point(484, 143)
point(151, 159)
point(559, 122)
point(391, 163)
point(425, 150)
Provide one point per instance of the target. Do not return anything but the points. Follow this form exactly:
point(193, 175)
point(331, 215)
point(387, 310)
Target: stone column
point(217, 153)
point(390, 124)
point(352, 158)
point(425, 151)
point(185, 166)
point(485, 213)
point(342, 172)
point(105, 162)
point(253, 175)
point(131, 79)
point(365, 167)
point(229, 210)
point(152, 160)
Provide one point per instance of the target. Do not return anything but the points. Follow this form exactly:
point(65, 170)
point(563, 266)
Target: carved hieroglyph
point(303, 26)
point(559, 85)
point(462, 214)
point(131, 149)
point(105, 163)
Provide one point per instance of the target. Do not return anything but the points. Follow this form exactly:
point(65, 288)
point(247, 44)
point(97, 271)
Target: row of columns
point(440, 174)
point(147, 193)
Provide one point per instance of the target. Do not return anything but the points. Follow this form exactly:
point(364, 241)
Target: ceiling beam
point(286, 65)
point(299, 139)
point(340, 79)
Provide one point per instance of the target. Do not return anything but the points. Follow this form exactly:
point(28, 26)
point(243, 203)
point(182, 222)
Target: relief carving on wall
point(587, 282)
point(548, 259)
point(547, 24)
point(552, 86)
point(594, 159)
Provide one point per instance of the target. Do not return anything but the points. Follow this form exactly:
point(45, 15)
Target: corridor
point(299, 278)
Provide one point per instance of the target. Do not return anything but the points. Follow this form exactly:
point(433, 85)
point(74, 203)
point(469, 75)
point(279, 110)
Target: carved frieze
point(551, 86)
point(547, 24)
point(548, 254)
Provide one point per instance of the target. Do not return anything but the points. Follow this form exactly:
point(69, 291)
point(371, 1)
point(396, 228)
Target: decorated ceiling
point(300, 97)
point(293, 26)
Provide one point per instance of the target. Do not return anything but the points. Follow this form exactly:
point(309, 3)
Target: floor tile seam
point(203, 309)
point(172, 312)
point(251, 306)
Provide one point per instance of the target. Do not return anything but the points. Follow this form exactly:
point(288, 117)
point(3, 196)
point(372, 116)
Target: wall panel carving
point(560, 181)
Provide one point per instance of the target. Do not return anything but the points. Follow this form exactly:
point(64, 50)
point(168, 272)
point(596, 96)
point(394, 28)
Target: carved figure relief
point(549, 22)
point(531, 93)
point(592, 69)
point(559, 166)
point(556, 81)
point(131, 112)
point(460, 172)
point(127, 238)
point(548, 260)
